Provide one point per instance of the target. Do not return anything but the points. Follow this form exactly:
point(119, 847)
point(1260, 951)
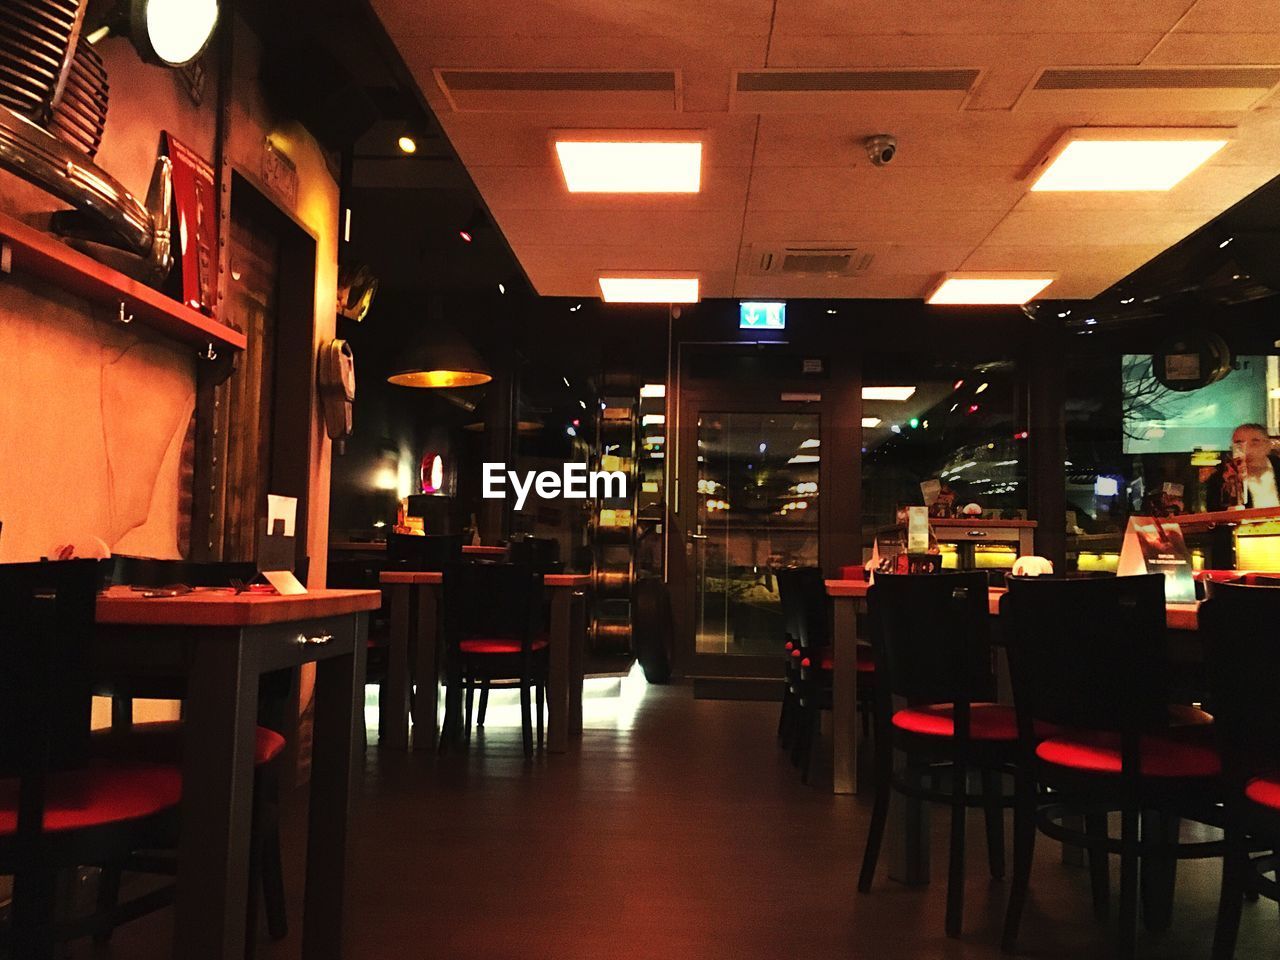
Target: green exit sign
point(762, 316)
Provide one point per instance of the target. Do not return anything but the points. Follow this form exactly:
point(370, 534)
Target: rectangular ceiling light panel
point(988, 289)
point(623, 289)
point(897, 394)
point(592, 166)
point(1098, 160)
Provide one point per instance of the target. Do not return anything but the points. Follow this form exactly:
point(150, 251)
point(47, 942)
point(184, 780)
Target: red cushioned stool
point(1088, 657)
point(932, 648)
point(58, 808)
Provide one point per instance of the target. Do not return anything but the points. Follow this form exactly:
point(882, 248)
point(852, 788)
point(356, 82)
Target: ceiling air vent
point(1128, 88)
point(537, 90)
point(809, 261)
point(812, 91)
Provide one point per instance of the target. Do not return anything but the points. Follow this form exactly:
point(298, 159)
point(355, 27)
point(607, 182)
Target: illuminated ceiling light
point(465, 236)
point(169, 33)
point(502, 288)
point(654, 391)
point(805, 458)
point(407, 144)
point(981, 388)
point(870, 423)
point(810, 444)
point(1126, 159)
point(1223, 244)
point(988, 288)
point(447, 361)
point(888, 393)
point(630, 167)
point(649, 289)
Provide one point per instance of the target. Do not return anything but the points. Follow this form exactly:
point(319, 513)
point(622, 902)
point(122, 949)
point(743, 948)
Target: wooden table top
point(221, 608)
point(430, 577)
point(1178, 616)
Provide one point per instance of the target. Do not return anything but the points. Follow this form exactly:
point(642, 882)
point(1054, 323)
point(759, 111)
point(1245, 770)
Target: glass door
point(756, 504)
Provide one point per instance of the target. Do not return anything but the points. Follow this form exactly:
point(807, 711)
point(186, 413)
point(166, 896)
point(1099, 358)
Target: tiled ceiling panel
point(791, 168)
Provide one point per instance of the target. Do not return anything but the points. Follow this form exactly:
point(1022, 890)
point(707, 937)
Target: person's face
point(1254, 444)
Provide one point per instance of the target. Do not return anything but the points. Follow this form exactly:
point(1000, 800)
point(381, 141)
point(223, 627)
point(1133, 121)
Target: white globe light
point(178, 30)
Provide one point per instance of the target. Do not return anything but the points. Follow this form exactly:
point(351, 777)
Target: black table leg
point(217, 797)
point(339, 702)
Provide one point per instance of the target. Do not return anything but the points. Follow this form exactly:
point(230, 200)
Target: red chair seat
point(1099, 752)
point(161, 741)
point(1264, 791)
point(987, 721)
point(866, 660)
point(498, 646)
point(101, 794)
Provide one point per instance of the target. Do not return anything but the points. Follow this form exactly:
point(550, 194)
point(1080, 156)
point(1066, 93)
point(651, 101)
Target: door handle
point(696, 536)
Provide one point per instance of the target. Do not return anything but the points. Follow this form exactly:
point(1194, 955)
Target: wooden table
point(219, 644)
point(415, 657)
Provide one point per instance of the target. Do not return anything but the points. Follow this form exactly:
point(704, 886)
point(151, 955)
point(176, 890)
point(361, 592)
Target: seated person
point(1248, 479)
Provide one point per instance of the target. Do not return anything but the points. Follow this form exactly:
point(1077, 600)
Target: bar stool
point(58, 807)
point(1088, 658)
point(932, 647)
point(1244, 676)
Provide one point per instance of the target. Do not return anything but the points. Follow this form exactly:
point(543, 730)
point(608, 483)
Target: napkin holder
point(276, 558)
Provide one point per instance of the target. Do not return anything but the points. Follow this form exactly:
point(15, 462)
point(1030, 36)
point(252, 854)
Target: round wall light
point(171, 33)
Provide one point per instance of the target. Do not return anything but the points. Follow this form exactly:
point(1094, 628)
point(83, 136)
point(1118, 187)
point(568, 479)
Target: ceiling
point(790, 168)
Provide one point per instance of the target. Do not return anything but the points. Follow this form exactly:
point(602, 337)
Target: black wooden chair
point(493, 631)
point(932, 647)
point(1088, 660)
point(1238, 624)
point(409, 552)
point(59, 808)
point(806, 611)
point(162, 741)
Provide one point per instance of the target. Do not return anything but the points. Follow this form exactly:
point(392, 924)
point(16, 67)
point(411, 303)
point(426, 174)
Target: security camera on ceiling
point(881, 149)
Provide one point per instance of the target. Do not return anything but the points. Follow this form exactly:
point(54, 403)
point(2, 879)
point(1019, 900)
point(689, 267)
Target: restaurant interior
point(756, 478)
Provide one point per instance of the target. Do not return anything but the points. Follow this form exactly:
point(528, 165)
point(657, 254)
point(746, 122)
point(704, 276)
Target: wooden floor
point(676, 830)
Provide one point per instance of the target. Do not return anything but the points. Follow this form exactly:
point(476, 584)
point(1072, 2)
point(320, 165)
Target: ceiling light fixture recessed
point(591, 166)
point(988, 288)
point(1114, 159)
point(888, 393)
point(407, 144)
point(621, 289)
point(870, 423)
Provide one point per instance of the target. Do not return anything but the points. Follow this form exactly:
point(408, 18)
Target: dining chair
point(934, 701)
point(493, 629)
point(407, 551)
point(541, 554)
point(803, 594)
point(162, 741)
point(1244, 677)
point(59, 806)
point(1088, 662)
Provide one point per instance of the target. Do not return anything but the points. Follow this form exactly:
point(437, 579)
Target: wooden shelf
point(40, 255)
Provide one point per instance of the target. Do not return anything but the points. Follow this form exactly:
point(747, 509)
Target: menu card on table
point(1156, 545)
